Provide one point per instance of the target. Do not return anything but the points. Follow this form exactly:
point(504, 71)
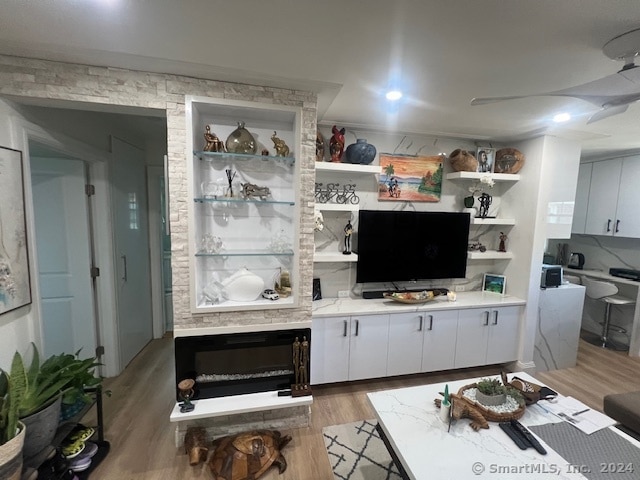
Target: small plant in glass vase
point(476, 189)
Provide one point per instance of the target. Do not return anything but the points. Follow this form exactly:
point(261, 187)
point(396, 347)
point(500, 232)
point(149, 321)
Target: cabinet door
point(405, 343)
point(472, 337)
point(582, 198)
point(439, 345)
point(627, 224)
point(603, 197)
point(503, 338)
point(368, 346)
point(330, 349)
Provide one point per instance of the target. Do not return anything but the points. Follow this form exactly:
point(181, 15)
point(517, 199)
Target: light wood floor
point(142, 440)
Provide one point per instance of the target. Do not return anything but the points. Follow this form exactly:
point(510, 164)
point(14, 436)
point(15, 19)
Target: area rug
point(356, 452)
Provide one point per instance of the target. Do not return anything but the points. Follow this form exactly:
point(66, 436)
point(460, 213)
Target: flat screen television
point(395, 246)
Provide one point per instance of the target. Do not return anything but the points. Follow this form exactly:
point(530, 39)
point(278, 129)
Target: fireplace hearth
point(236, 364)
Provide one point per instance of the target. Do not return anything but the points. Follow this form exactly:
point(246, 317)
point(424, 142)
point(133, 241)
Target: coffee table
point(410, 425)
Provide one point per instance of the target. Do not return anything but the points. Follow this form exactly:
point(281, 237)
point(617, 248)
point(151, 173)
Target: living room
point(525, 201)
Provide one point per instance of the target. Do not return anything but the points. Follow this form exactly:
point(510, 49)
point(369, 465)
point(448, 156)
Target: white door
point(329, 350)
point(64, 256)
point(405, 343)
point(603, 197)
point(472, 337)
point(627, 224)
point(503, 340)
point(439, 346)
point(131, 243)
point(368, 347)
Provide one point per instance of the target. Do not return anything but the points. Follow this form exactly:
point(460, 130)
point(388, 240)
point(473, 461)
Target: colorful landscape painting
point(410, 178)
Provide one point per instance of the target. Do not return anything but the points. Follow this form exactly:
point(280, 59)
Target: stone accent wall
point(31, 78)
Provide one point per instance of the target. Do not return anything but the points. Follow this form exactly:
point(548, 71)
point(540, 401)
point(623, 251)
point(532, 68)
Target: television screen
point(398, 246)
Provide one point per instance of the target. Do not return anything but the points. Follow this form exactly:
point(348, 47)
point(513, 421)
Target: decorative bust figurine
point(336, 144)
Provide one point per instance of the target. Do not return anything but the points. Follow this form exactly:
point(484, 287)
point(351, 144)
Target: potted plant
point(491, 392)
point(12, 431)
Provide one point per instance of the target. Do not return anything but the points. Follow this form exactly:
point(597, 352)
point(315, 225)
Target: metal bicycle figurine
point(348, 195)
point(322, 195)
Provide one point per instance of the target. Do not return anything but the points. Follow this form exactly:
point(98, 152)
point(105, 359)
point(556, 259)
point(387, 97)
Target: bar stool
point(606, 292)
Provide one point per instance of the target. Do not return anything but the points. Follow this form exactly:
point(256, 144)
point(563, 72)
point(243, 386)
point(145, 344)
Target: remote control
point(528, 435)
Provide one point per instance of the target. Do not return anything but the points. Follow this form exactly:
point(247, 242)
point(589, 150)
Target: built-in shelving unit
point(337, 207)
point(489, 255)
point(492, 221)
point(347, 167)
point(325, 257)
point(496, 177)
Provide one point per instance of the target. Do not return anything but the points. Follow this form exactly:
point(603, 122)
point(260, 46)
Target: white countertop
point(330, 307)
point(600, 274)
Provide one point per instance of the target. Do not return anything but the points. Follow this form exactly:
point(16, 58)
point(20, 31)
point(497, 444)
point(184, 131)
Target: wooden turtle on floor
point(247, 456)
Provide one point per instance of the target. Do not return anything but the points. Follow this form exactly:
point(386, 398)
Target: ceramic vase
point(360, 152)
point(241, 141)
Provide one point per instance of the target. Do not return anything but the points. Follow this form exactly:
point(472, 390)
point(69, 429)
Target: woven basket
point(490, 415)
point(11, 456)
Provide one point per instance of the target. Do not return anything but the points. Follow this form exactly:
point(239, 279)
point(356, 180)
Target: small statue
point(485, 201)
point(336, 144)
point(186, 393)
point(296, 360)
point(503, 238)
point(319, 147)
point(282, 150)
point(304, 360)
point(348, 231)
point(214, 144)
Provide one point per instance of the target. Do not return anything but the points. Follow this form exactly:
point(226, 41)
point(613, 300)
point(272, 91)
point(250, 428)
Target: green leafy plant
point(493, 386)
point(12, 388)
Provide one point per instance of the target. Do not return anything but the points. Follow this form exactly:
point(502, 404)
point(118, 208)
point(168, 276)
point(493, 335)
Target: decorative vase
point(469, 201)
point(243, 286)
point(360, 152)
point(11, 456)
point(41, 428)
point(241, 141)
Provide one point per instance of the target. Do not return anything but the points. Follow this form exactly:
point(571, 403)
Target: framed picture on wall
point(494, 283)
point(15, 286)
point(486, 159)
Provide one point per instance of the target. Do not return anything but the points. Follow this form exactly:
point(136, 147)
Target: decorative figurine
point(348, 231)
point(296, 360)
point(214, 144)
point(336, 144)
point(300, 352)
point(230, 176)
point(485, 201)
point(251, 191)
point(282, 150)
point(186, 393)
point(265, 152)
point(241, 141)
point(319, 147)
point(503, 238)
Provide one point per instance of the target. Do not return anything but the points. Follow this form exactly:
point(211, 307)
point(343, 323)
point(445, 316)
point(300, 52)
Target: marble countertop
point(601, 275)
point(358, 306)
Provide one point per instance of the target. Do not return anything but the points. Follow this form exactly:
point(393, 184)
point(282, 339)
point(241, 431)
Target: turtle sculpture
point(246, 456)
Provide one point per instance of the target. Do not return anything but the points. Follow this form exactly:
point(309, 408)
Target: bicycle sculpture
point(348, 195)
point(331, 192)
point(324, 195)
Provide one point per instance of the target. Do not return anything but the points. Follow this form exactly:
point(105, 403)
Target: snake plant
point(12, 389)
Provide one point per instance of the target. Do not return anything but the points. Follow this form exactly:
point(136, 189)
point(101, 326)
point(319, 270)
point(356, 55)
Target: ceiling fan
point(613, 93)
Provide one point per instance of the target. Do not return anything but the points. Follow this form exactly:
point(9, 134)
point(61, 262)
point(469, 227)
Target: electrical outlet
point(343, 294)
point(459, 288)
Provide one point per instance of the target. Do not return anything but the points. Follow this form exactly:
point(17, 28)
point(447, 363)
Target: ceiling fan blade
point(607, 112)
point(487, 100)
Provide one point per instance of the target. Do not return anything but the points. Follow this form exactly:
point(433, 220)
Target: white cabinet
point(582, 198)
point(233, 231)
point(487, 336)
point(421, 342)
point(349, 348)
point(613, 198)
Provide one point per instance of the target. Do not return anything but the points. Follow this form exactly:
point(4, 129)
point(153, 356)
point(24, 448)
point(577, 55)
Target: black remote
point(284, 393)
point(529, 436)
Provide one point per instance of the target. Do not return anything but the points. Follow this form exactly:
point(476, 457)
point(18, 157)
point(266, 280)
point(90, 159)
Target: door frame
point(97, 161)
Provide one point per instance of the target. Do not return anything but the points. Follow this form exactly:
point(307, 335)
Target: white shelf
point(235, 404)
point(347, 167)
point(325, 257)
point(337, 207)
point(493, 221)
point(496, 177)
point(489, 255)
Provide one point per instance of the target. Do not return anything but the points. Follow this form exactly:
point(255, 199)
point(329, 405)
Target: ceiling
point(442, 53)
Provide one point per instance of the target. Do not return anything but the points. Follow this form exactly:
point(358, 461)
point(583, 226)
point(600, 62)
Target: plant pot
point(11, 456)
point(490, 400)
point(41, 428)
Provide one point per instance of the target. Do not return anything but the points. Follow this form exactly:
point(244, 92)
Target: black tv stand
point(372, 294)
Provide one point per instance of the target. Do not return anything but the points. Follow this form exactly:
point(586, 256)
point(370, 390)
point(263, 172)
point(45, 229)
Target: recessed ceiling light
point(394, 95)
point(561, 117)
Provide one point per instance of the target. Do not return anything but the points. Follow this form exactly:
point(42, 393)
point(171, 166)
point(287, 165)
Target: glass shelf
point(228, 157)
point(245, 253)
point(242, 200)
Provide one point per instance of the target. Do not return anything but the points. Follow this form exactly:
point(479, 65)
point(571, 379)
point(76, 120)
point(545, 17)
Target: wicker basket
point(490, 415)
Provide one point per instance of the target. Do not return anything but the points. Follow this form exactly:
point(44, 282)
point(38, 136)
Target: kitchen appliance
point(551, 276)
point(625, 273)
point(576, 260)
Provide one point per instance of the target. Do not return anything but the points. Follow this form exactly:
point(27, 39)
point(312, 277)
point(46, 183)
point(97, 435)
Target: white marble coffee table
point(410, 422)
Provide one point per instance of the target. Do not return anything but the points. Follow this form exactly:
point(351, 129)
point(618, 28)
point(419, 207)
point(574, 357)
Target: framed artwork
point(410, 178)
point(494, 283)
point(486, 159)
point(15, 284)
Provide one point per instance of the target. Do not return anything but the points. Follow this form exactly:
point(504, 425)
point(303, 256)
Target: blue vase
point(360, 152)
